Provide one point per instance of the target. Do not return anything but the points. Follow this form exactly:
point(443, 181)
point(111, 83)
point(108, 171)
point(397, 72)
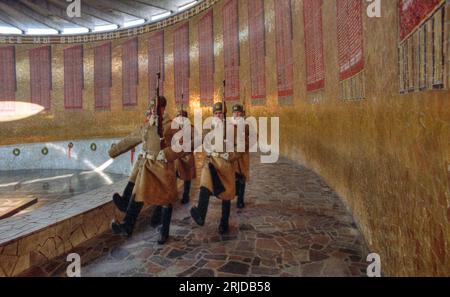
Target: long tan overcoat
point(185, 166)
point(242, 164)
point(226, 171)
point(155, 181)
point(134, 172)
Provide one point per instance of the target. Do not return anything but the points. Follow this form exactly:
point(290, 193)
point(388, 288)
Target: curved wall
point(387, 155)
point(82, 156)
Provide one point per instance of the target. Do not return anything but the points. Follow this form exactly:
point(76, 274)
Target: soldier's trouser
point(240, 190)
point(223, 226)
point(122, 202)
point(156, 216)
point(134, 208)
point(199, 213)
point(186, 190)
point(166, 218)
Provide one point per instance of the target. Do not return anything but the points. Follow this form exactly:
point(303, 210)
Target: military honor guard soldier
point(155, 174)
point(243, 163)
point(218, 178)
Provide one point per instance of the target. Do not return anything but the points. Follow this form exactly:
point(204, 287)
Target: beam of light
point(94, 169)
point(75, 30)
point(47, 179)
point(106, 28)
point(104, 165)
point(187, 5)
point(99, 169)
point(133, 23)
point(37, 180)
point(40, 31)
point(9, 185)
point(16, 110)
point(161, 15)
point(10, 30)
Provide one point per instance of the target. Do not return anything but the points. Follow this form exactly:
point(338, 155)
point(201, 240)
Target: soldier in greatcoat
point(217, 179)
point(185, 166)
point(155, 178)
point(243, 163)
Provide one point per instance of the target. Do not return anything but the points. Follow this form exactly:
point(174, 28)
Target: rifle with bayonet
point(158, 107)
point(224, 106)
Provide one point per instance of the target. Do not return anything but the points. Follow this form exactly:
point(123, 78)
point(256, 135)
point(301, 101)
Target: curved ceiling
point(45, 17)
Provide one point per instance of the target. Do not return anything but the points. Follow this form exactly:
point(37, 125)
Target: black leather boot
point(186, 190)
point(156, 217)
point(165, 228)
point(127, 227)
point(122, 202)
point(240, 199)
point(223, 226)
point(199, 213)
point(237, 184)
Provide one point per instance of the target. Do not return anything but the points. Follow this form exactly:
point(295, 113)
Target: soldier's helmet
point(182, 113)
point(217, 106)
point(238, 107)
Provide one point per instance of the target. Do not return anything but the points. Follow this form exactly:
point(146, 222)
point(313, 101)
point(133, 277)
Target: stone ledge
point(52, 230)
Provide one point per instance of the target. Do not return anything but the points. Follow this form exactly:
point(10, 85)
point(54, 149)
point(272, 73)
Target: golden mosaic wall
point(387, 155)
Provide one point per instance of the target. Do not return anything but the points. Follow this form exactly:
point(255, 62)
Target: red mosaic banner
point(206, 57)
point(41, 75)
point(350, 37)
point(156, 63)
point(285, 61)
point(412, 13)
point(8, 84)
point(230, 26)
point(181, 63)
point(73, 77)
point(257, 48)
point(315, 69)
point(130, 72)
point(102, 75)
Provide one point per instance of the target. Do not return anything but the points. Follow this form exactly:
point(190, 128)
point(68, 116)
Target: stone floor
point(293, 225)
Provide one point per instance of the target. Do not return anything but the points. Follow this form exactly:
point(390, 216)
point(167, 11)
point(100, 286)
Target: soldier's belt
point(149, 156)
point(215, 155)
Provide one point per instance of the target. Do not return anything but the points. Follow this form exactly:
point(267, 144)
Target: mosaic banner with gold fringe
point(413, 13)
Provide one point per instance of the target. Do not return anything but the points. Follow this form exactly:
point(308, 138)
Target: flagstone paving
point(293, 225)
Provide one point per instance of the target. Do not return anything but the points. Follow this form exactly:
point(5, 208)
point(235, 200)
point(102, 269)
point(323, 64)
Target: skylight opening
point(75, 30)
point(40, 31)
point(9, 30)
point(133, 23)
point(187, 5)
point(161, 15)
point(105, 28)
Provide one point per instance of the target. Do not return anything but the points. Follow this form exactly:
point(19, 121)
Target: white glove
point(161, 156)
point(225, 156)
